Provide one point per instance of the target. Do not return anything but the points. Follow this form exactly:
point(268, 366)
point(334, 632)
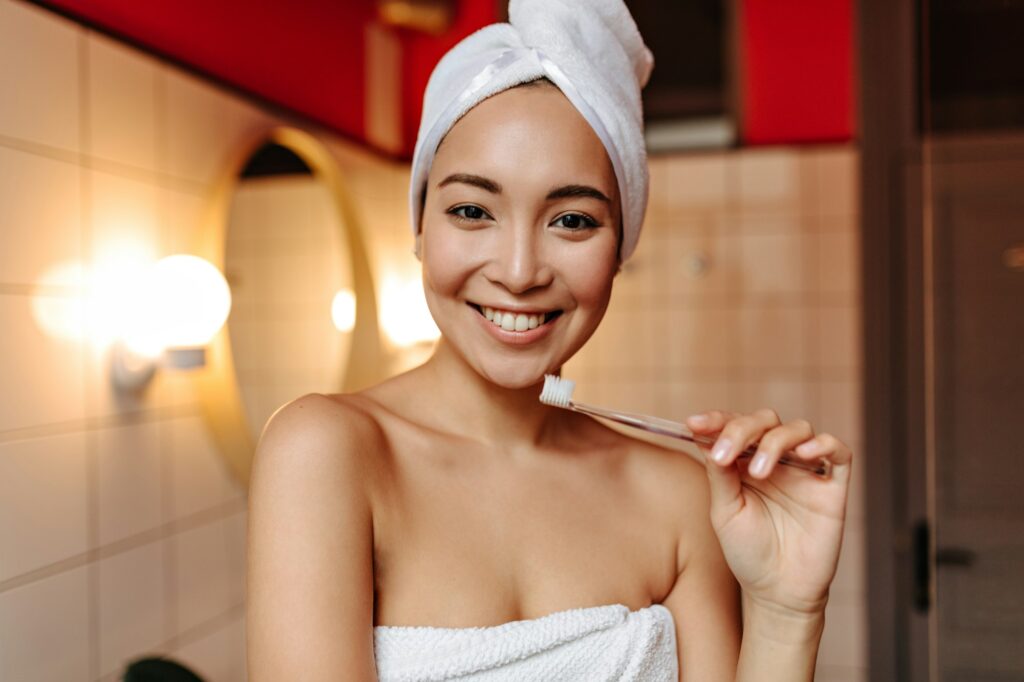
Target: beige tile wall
point(743, 294)
point(121, 531)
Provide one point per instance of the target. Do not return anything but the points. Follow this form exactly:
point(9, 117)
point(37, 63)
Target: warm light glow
point(343, 310)
point(187, 300)
point(404, 314)
point(60, 301)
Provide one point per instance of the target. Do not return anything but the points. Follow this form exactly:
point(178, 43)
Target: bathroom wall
point(743, 293)
point(121, 531)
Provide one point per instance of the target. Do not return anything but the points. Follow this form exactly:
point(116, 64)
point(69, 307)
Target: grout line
point(88, 161)
point(163, 531)
point(101, 422)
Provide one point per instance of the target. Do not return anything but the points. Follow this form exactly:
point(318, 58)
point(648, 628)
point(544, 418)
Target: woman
point(443, 523)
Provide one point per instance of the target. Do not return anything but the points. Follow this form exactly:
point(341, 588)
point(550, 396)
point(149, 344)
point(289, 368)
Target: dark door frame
point(893, 459)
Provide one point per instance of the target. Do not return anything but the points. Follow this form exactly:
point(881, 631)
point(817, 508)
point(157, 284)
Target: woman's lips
point(516, 327)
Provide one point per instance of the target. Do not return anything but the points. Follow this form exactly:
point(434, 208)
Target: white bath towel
point(590, 49)
point(594, 644)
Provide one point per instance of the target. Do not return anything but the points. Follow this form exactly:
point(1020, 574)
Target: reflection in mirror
point(290, 272)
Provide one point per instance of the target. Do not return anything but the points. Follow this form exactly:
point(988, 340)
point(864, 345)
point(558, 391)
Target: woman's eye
point(575, 221)
point(468, 212)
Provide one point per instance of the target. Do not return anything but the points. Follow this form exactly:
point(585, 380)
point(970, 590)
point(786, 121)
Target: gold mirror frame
point(219, 393)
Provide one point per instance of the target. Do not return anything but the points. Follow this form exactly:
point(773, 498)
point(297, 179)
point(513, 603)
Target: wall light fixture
point(184, 302)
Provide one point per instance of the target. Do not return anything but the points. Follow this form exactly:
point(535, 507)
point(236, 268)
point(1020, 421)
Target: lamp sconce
point(181, 305)
point(430, 16)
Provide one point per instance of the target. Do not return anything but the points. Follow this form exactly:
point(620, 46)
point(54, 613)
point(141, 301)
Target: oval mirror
point(303, 315)
point(290, 272)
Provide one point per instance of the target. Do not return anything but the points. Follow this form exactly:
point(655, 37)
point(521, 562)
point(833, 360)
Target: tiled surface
point(129, 472)
point(37, 233)
point(44, 505)
point(218, 655)
point(202, 582)
point(131, 606)
point(743, 294)
point(39, 76)
point(106, 156)
point(29, 397)
point(121, 79)
point(44, 629)
point(199, 477)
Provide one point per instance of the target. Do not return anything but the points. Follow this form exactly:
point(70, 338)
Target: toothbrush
point(558, 393)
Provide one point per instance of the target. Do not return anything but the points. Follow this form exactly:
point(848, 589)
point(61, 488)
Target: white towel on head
point(594, 644)
point(590, 49)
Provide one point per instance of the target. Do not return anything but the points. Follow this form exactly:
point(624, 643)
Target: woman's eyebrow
point(475, 180)
point(569, 191)
point(566, 191)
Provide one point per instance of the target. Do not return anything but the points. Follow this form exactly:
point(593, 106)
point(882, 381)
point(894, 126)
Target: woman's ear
point(416, 247)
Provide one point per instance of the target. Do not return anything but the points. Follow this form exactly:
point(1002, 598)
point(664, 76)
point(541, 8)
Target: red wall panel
point(796, 71)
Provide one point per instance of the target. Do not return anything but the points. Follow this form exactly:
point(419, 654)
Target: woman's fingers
point(827, 446)
point(708, 422)
point(776, 442)
point(740, 432)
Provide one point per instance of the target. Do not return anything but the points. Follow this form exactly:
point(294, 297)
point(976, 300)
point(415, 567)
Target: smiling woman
point(447, 524)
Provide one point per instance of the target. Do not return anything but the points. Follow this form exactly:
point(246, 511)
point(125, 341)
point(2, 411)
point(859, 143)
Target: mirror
point(289, 269)
point(281, 227)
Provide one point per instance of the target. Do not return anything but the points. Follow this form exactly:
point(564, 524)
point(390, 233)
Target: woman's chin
point(514, 376)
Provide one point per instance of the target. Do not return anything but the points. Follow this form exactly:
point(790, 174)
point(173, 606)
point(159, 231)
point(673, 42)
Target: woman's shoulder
point(322, 435)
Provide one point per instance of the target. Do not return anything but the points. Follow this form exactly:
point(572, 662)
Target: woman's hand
point(780, 527)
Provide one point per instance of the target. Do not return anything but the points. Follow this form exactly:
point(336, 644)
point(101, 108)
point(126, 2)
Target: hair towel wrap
point(590, 49)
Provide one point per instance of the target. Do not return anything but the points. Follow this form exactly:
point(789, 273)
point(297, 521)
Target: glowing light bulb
point(343, 310)
point(187, 300)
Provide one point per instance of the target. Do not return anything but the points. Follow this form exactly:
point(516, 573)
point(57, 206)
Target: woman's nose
point(520, 260)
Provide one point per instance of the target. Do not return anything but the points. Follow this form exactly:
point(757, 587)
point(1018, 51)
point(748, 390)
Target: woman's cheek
point(448, 258)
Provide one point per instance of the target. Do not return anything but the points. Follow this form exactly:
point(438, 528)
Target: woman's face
point(520, 225)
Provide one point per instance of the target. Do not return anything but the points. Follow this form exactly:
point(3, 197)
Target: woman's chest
point(461, 542)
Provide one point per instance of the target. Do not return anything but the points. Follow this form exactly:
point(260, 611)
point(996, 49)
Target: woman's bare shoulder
point(322, 434)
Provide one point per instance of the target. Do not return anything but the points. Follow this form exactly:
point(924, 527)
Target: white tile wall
point(36, 232)
point(131, 608)
point(43, 484)
point(39, 76)
point(129, 480)
point(44, 629)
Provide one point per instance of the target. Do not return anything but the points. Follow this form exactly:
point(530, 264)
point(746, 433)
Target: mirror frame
point(219, 394)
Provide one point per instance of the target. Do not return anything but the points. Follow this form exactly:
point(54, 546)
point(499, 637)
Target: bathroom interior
point(204, 214)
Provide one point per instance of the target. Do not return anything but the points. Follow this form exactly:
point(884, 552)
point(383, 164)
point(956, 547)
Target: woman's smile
point(516, 326)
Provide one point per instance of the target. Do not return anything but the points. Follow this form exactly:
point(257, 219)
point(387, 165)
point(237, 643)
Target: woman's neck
point(466, 403)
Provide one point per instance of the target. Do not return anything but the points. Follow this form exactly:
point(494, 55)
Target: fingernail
point(808, 448)
point(759, 464)
point(698, 419)
point(721, 451)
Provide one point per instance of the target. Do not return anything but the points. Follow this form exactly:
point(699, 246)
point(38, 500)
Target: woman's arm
point(310, 546)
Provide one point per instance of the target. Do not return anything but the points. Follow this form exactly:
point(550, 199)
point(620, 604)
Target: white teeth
point(518, 322)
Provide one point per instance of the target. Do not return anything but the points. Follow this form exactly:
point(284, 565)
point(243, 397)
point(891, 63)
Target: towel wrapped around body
point(594, 644)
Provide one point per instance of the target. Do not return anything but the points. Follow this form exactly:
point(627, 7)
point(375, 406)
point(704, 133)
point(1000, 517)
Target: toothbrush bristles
point(557, 391)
